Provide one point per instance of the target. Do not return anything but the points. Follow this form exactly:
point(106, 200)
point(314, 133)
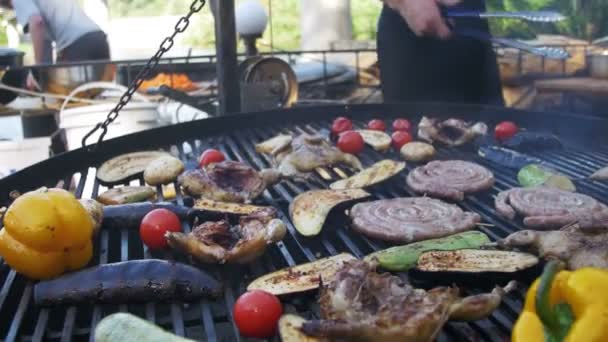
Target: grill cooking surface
point(211, 320)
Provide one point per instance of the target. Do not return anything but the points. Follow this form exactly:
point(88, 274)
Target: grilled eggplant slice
point(475, 261)
point(226, 207)
point(375, 174)
point(378, 140)
point(290, 329)
point(128, 281)
point(507, 158)
point(163, 170)
point(127, 166)
point(127, 194)
point(301, 278)
point(309, 210)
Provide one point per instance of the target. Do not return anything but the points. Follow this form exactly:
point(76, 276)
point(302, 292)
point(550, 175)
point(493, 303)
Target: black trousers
point(91, 46)
point(427, 69)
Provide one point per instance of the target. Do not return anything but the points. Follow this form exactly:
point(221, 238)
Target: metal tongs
point(534, 16)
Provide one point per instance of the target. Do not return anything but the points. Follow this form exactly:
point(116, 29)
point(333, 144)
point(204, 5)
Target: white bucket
point(16, 155)
point(134, 117)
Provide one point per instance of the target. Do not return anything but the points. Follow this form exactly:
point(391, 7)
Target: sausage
point(128, 281)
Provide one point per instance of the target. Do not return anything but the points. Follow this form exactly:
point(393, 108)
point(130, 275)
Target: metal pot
point(63, 80)
point(598, 64)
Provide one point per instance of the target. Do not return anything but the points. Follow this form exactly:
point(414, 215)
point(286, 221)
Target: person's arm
point(423, 16)
point(38, 32)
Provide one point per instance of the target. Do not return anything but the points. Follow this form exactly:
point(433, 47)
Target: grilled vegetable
point(505, 130)
point(226, 207)
point(127, 194)
point(163, 170)
point(600, 175)
point(211, 156)
point(128, 281)
point(536, 175)
point(155, 225)
point(507, 158)
point(417, 151)
point(274, 145)
point(126, 166)
point(125, 327)
point(400, 138)
point(402, 258)
point(351, 142)
point(290, 329)
point(375, 174)
point(130, 215)
point(376, 125)
point(531, 141)
point(256, 313)
point(301, 278)
point(95, 210)
point(341, 125)
point(475, 261)
point(377, 139)
point(46, 232)
point(309, 210)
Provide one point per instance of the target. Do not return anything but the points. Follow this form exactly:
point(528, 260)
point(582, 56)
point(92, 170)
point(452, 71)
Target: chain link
point(166, 45)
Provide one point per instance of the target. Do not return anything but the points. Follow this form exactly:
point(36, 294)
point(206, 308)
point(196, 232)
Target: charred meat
point(304, 153)
point(128, 281)
point(220, 242)
point(365, 305)
point(451, 132)
point(450, 179)
point(550, 208)
point(228, 181)
point(575, 247)
point(406, 220)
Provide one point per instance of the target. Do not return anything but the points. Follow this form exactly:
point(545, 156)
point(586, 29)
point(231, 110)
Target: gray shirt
point(65, 19)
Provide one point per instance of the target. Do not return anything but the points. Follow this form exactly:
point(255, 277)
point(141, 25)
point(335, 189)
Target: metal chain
point(166, 45)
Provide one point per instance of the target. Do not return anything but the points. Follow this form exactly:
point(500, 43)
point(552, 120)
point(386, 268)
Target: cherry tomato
point(376, 125)
point(154, 226)
point(505, 130)
point(211, 156)
point(351, 142)
point(400, 138)
point(402, 125)
point(256, 314)
point(341, 125)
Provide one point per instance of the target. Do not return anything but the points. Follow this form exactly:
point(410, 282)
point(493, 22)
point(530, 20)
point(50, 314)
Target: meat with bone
point(550, 208)
point(575, 247)
point(365, 305)
point(228, 181)
point(405, 220)
point(304, 154)
point(452, 132)
point(219, 242)
point(450, 179)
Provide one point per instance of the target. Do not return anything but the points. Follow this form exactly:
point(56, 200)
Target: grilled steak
point(452, 132)
point(550, 208)
point(364, 305)
point(407, 220)
point(450, 179)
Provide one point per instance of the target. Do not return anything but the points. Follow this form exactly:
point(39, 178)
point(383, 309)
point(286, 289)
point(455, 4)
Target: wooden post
point(225, 45)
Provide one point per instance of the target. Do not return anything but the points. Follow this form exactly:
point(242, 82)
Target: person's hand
point(423, 16)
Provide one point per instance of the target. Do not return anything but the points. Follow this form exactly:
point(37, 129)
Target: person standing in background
point(76, 36)
point(422, 60)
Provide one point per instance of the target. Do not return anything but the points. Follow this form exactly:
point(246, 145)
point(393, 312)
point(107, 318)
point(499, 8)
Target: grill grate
point(211, 320)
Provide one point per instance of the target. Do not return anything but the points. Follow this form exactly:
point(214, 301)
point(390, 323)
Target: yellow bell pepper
point(565, 306)
point(46, 233)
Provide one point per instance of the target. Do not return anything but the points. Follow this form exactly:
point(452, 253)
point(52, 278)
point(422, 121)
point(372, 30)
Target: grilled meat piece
point(228, 181)
point(128, 281)
point(406, 220)
point(575, 247)
point(550, 208)
point(304, 154)
point(451, 132)
point(450, 179)
point(364, 305)
point(219, 242)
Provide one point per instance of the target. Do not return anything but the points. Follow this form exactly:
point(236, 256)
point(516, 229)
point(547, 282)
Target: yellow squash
point(46, 232)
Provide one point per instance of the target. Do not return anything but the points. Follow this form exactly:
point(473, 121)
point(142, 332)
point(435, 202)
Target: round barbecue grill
point(585, 152)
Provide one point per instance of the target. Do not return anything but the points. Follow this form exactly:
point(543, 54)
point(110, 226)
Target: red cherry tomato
point(211, 156)
point(351, 142)
point(376, 125)
point(400, 138)
point(505, 130)
point(401, 125)
point(341, 125)
point(256, 314)
point(154, 226)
